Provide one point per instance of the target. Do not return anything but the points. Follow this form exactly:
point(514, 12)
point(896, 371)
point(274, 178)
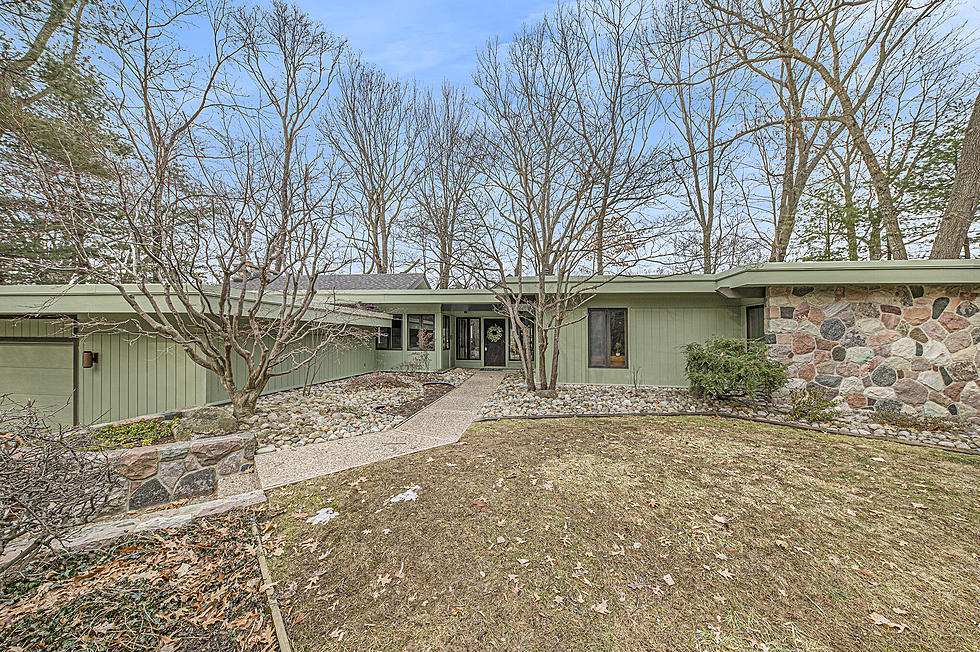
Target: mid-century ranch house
point(903, 334)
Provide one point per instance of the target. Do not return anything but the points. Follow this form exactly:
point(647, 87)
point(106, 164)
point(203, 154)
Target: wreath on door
point(494, 333)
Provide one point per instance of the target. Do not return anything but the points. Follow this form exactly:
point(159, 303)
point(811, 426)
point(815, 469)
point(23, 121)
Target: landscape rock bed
point(340, 409)
point(513, 400)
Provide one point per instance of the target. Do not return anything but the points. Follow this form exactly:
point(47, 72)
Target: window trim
point(465, 337)
point(588, 349)
point(529, 324)
point(395, 317)
point(762, 335)
point(447, 344)
point(408, 330)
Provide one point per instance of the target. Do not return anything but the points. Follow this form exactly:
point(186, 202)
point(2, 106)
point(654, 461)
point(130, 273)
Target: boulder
point(209, 451)
point(204, 422)
point(917, 315)
point(938, 306)
point(198, 483)
point(884, 376)
point(150, 493)
point(910, 392)
point(136, 463)
point(953, 322)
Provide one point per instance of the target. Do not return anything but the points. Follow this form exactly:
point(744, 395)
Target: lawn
point(637, 533)
point(194, 589)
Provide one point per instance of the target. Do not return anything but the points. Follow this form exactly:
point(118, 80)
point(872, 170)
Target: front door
point(494, 342)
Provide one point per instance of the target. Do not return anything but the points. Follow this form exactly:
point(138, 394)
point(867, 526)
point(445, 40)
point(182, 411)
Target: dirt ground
point(636, 534)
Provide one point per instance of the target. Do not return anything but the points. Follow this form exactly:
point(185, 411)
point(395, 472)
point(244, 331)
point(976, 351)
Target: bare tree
point(374, 126)
point(600, 43)
point(702, 99)
point(858, 41)
point(50, 481)
point(544, 186)
point(447, 185)
point(964, 195)
point(228, 206)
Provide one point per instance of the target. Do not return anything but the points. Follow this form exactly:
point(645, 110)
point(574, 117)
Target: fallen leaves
point(884, 621)
point(601, 607)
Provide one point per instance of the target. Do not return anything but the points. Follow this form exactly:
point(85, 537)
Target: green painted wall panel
point(657, 330)
point(41, 372)
point(331, 364)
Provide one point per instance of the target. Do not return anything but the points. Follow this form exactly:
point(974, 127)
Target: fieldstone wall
point(159, 474)
point(913, 348)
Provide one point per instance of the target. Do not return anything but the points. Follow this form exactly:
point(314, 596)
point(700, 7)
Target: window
point(514, 353)
point(468, 338)
point(607, 337)
point(445, 333)
point(755, 323)
point(390, 337)
point(421, 332)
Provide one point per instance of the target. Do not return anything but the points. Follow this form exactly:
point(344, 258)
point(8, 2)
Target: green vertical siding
point(39, 327)
point(333, 363)
point(136, 375)
point(657, 330)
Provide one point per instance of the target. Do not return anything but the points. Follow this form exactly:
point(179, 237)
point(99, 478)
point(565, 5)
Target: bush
point(914, 422)
point(724, 367)
point(812, 405)
point(50, 481)
point(137, 433)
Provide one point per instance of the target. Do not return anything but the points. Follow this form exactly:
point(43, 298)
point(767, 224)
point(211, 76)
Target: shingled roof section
point(339, 282)
point(372, 282)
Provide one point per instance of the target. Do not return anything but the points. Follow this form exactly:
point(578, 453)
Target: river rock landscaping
point(341, 409)
point(513, 400)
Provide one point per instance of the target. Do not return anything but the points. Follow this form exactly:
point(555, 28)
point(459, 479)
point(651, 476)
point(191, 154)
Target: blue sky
point(427, 39)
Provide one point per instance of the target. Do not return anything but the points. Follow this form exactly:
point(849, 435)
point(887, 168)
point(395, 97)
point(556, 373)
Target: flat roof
point(740, 281)
point(106, 299)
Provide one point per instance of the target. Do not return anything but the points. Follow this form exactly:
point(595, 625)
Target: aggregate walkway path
point(437, 424)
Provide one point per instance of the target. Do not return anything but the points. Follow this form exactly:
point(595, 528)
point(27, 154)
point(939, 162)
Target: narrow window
point(754, 323)
point(468, 338)
point(421, 331)
point(390, 337)
point(607, 337)
point(445, 333)
point(515, 354)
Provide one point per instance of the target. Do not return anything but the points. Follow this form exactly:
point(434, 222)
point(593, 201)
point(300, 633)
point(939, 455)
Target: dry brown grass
point(559, 534)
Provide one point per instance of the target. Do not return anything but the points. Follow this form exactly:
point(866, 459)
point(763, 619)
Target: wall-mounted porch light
point(89, 358)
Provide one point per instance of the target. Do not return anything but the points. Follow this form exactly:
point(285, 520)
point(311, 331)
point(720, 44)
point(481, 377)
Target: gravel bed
point(513, 399)
point(338, 410)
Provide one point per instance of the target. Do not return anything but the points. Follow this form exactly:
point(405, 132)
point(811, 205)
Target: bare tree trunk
point(962, 205)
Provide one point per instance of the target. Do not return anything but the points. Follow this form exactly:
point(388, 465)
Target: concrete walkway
point(441, 422)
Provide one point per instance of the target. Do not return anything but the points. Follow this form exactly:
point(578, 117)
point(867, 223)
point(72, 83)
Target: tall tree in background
point(447, 185)
point(603, 43)
point(375, 127)
point(544, 185)
point(864, 39)
point(51, 111)
point(228, 204)
point(702, 99)
point(961, 208)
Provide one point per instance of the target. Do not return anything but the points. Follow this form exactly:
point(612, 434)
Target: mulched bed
point(182, 590)
point(430, 393)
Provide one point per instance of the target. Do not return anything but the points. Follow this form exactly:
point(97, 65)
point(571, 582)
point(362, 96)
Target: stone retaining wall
point(159, 474)
point(913, 348)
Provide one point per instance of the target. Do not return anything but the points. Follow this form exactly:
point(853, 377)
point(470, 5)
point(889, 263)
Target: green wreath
point(494, 333)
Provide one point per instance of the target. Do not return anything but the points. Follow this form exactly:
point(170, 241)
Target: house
point(892, 333)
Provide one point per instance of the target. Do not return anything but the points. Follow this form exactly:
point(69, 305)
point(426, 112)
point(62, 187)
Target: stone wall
point(159, 474)
point(913, 348)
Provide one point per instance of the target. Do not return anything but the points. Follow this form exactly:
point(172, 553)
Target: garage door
point(42, 372)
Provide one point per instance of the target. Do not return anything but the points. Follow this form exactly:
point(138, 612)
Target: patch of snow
point(410, 494)
point(325, 515)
